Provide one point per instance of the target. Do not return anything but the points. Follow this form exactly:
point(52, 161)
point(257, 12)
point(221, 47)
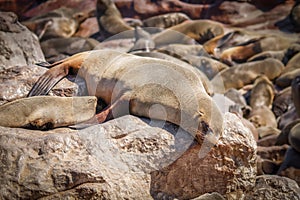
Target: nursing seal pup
point(142, 86)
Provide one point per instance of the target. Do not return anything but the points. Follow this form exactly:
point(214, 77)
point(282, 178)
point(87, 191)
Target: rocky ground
point(251, 71)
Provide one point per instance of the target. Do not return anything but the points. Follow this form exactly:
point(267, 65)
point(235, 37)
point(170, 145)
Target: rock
point(121, 159)
point(219, 171)
point(274, 187)
point(18, 45)
point(210, 196)
point(16, 82)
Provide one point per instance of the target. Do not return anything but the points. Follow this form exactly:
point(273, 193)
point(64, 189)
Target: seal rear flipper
point(47, 81)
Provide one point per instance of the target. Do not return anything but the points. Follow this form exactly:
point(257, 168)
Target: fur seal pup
point(165, 20)
point(62, 22)
point(109, 19)
point(197, 30)
point(141, 86)
point(44, 112)
point(240, 75)
point(262, 92)
point(262, 116)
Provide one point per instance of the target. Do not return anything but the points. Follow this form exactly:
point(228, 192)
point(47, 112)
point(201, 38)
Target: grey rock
point(19, 46)
point(274, 187)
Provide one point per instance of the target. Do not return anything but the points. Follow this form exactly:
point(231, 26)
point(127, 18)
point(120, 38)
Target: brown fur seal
point(294, 137)
point(165, 20)
point(46, 112)
point(109, 19)
point(262, 92)
point(283, 137)
point(206, 83)
point(198, 30)
point(262, 116)
point(294, 63)
point(279, 55)
point(285, 80)
point(140, 85)
point(62, 22)
point(296, 94)
point(282, 101)
point(143, 40)
point(240, 75)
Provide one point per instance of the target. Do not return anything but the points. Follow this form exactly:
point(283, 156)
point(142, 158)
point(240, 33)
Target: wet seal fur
point(44, 112)
point(141, 86)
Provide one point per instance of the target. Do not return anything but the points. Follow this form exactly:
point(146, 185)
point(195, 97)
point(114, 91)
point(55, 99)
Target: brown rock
point(274, 187)
point(219, 171)
point(119, 160)
point(18, 45)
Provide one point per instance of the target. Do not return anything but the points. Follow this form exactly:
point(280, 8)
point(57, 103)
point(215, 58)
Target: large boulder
point(124, 158)
point(19, 46)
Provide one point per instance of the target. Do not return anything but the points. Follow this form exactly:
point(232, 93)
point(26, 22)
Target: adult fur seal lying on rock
point(142, 86)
